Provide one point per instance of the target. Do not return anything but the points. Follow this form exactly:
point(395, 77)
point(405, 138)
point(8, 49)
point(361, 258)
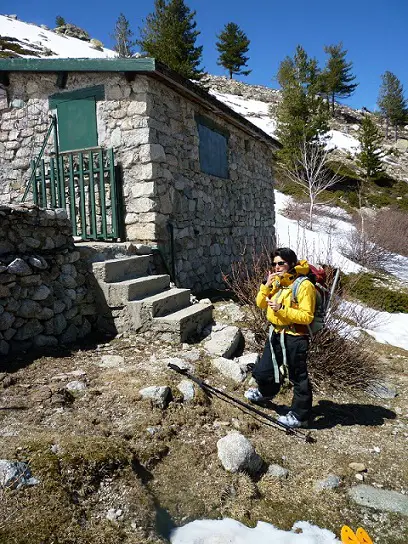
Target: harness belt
point(283, 369)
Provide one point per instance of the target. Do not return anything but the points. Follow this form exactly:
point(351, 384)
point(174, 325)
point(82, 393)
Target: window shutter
point(77, 124)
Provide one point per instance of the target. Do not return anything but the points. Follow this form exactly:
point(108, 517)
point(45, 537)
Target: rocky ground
point(115, 463)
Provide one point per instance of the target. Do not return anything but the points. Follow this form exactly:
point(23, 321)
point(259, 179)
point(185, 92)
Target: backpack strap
point(295, 286)
point(295, 289)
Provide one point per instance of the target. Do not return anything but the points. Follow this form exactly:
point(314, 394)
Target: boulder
point(237, 454)
point(73, 32)
point(248, 359)
point(382, 390)
point(224, 341)
point(181, 363)
point(159, 395)
point(111, 361)
point(15, 474)
point(276, 471)
point(380, 499)
point(229, 369)
point(186, 388)
point(76, 386)
point(331, 482)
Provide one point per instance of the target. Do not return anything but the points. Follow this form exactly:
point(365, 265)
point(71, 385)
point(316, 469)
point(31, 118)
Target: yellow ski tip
point(347, 536)
point(363, 537)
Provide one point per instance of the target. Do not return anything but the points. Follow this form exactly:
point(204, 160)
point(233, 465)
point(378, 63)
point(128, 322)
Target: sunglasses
point(279, 263)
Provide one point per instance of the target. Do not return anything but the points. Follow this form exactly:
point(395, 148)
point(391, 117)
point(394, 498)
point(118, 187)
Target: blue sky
point(373, 31)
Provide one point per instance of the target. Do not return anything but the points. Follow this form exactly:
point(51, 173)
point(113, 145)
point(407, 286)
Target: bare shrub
point(244, 280)
point(358, 247)
point(310, 171)
point(297, 211)
point(340, 354)
point(389, 230)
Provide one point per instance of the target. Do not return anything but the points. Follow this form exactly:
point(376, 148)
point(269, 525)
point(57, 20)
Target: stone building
point(135, 152)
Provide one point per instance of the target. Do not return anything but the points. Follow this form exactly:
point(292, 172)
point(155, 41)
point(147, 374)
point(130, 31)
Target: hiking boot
point(254, 395)
point(291, 421)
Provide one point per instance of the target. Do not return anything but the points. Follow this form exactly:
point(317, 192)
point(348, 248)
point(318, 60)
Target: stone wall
point(44, 298)
point(215, 220)
point(154, 134)
point(122, 121)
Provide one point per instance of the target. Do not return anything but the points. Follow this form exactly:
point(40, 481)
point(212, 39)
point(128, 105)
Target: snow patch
point(60, 45)
point(335, 139)
point(229, 531)
point(254, 111)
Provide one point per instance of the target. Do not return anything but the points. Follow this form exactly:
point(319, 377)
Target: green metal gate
point(83, 183)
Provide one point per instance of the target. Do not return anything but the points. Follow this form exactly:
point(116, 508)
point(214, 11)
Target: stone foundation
point(44, 297)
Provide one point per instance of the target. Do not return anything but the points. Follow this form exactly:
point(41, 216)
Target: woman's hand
point(271, 277)
point(274, 305)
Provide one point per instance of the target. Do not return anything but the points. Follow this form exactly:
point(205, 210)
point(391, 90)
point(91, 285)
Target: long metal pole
point(206, 387)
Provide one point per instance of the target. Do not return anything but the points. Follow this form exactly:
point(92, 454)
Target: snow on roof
point(61, 46)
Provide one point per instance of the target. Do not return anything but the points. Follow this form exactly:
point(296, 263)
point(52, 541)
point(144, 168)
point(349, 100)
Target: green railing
point(83, 183)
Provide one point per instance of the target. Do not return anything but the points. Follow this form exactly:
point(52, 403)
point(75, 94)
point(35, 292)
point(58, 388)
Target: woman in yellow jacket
point(288, 341)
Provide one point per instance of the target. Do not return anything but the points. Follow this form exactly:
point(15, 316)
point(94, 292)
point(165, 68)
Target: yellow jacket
point(293, 317)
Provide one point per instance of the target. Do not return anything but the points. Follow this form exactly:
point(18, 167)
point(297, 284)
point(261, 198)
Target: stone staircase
point(133, 299)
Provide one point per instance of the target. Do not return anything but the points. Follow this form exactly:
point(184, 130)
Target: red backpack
point(322, 297)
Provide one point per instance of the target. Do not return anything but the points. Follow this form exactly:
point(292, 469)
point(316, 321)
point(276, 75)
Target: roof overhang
point(130, 68)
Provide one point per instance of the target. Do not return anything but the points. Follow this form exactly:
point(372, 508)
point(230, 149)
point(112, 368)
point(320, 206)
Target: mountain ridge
point(19, 39)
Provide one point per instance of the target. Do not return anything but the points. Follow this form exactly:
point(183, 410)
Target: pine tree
point(392, 103)
point(369, 162)
point(122, 35)
point(59, 21)
point(369, 157)
point(301, 115)
point(337, 79)
point(232, 46)
point(169, 35)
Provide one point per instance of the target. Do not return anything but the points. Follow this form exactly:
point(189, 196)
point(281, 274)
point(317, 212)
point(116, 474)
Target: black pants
point(296, 355)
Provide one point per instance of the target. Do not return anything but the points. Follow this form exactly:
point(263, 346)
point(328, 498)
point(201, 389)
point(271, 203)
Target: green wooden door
point(77, 124)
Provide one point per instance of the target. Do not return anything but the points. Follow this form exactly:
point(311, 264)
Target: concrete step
point(117, 270)
point(143, 311)
point(185, 322)
point(120, 293)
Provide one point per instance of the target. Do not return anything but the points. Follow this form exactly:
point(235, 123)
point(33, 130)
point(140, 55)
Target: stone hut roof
point(131, 67)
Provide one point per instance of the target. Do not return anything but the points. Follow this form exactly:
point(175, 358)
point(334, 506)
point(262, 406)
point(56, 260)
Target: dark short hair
point(287, 255)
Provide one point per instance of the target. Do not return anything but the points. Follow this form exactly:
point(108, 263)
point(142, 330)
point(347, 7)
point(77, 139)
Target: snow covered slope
point(324, 244)
point(255, 111)
point(19, 39)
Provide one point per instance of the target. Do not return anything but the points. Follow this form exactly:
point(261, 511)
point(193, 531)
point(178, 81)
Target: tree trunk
point(332, 104)
point(360, 205)
point(386, 128)
point(230, 74)
point(311, 207)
